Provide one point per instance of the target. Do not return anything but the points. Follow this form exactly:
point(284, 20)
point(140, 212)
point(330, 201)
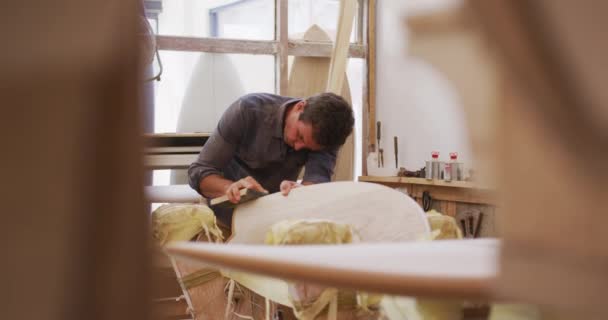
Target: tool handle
point(378, 132)
point(396, 152)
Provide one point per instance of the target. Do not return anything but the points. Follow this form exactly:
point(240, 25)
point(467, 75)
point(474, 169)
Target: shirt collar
point(279, 122)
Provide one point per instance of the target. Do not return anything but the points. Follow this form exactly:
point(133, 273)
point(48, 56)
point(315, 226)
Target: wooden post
point(371, 76)
point(281, 34)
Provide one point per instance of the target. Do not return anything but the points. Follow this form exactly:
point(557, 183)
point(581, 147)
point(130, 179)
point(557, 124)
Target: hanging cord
point(160, 67)
point(151, 39)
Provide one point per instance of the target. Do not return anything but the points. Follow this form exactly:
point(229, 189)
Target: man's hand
point(287, 185)
point(233, 194)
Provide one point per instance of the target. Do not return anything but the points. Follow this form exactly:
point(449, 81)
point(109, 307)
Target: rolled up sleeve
point(220, 147)
point(320, 166)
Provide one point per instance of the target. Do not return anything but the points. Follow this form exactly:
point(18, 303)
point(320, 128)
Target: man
point(263, 140)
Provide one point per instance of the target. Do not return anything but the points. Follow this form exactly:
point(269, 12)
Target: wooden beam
point(281, 57)
point(322, 49)
point(371, 71)
point(216, 45)
point(364, 134)
point(296, 48)
point(361, 28)
point(339, 59)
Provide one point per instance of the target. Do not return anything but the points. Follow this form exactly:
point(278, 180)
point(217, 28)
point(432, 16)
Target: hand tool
point(471, 230)
point(396, 152)
point(464, 227)
point(246, 195)
point(478, 226)
point(378, 133)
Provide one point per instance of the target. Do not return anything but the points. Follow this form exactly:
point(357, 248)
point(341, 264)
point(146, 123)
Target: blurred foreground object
point(553, 144)
point(74, 241)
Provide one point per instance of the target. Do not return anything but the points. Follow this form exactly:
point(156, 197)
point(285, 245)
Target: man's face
point(301, 137)
point(298, 134)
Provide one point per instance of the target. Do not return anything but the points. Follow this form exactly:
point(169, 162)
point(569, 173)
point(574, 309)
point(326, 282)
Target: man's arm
point(320, 166)
point(205, 174)
point(319, 169)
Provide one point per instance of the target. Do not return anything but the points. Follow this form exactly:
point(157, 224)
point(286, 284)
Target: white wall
point(414, 101)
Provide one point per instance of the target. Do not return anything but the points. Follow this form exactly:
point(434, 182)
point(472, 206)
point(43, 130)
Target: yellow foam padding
point(182, 222)
point(443, 226)
point(420, 309)
point(311, 231)
point(503, 311)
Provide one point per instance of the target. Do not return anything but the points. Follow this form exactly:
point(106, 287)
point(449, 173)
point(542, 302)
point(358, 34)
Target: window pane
point(196, 88)
point(237, 19)
point(324, 13)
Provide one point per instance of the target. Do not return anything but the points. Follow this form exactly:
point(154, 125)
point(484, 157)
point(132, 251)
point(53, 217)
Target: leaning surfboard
point(308, 76)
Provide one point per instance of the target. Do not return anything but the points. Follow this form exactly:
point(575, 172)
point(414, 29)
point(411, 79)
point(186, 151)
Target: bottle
point(457, 167)
point(435, 172)
point(451, 168)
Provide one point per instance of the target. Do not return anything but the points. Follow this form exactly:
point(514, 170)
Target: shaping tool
point(396, 152)
point(378, 133)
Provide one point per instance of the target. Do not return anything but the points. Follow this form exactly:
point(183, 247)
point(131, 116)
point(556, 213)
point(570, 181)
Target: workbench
point(455, 198)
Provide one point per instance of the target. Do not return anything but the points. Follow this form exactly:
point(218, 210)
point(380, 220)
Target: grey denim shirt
point(248, 141)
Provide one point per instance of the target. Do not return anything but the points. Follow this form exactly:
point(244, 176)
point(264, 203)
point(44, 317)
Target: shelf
point(454, 191)
point(168, 161)
point(422, 181)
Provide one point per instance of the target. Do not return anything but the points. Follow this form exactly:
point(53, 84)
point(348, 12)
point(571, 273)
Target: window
point(214, 51)
point(324, 13)
point(196, 88)
point(237, 19)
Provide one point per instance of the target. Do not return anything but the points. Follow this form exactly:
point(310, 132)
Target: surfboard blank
point(437, 269)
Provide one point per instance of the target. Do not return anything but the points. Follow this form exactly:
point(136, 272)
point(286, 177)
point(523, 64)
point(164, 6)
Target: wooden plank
point(300, 48)
point(345, 162)
point(216, 45)
point(281, 58)
point(361, 23)
point(172, 150)
point(422, 181)
point(363, 153)
point(418, 268)
point(450, 208)
point(371, 72)
point(178, 135)
point(339, 60)
point(296, 48)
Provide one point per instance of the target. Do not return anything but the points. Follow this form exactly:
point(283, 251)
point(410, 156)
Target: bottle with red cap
point(453, 168)
point(432, 166)
point(436, 172)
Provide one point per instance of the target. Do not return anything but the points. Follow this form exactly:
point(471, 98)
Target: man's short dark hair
point(331, 118)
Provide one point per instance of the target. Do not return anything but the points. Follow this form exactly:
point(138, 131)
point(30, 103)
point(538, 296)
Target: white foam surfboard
point(377, 213)
point(214, 85)
point(434, 269)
